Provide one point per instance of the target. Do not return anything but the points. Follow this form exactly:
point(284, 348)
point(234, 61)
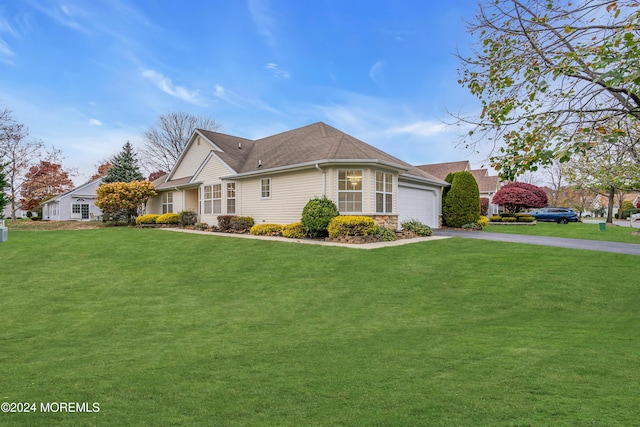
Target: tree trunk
point(612, 193)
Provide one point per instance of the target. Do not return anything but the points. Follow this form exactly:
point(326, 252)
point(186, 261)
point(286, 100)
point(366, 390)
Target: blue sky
point(86, 76)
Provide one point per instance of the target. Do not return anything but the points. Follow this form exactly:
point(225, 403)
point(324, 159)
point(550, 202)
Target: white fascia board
point(325, 163)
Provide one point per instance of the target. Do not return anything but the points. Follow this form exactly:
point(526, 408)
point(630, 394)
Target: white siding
point(193, 158)
point(290, 192)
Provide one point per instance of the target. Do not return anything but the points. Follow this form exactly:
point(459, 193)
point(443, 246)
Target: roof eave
point(324, 162)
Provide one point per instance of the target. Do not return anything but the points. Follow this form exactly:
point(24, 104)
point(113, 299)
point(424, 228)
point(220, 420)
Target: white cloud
point(374, 72)
point(261, 15)
point(95, 122)
point(277, 71)
point(421, 128)
point(166, 85)
point(241, 102)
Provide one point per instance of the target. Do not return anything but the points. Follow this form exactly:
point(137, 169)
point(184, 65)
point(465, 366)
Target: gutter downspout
point(324, 180)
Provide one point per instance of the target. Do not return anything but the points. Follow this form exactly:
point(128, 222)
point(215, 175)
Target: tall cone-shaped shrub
point(462, 202)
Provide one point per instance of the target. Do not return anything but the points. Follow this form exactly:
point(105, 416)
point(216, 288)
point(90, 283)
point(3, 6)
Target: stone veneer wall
point(389, 221)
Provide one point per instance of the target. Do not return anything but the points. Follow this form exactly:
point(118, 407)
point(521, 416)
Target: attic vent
point(259, 163)
point(240, 145)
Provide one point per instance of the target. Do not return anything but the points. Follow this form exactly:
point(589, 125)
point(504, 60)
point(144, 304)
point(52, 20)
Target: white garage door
point(417, 204)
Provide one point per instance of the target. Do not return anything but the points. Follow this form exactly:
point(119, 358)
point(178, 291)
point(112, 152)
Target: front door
point(84, 208)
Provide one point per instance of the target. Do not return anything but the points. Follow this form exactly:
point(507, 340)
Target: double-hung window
point(265, 188)
point(167, 202)
point(231, 198)
point(350, 190)
point(384, 192)
point(212, 199)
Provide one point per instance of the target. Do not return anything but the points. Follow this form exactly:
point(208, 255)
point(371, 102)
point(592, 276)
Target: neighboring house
point(271, 179)
point(19, 213)
point(602, 201)
point(487, 185)
point(76, 204)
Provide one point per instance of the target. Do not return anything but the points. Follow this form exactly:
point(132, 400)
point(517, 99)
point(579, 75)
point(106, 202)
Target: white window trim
point(361, 191)
point(234, 198)
point(167, 205)
point(384, 192)
point(262, 197)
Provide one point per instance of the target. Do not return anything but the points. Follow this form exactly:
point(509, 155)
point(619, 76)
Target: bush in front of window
point(147, 219)
point(266, 230)
point(418, 228)
point(168, 218)
point(187, 218)
point(317, 214)
point(294, 231)
point(351, 225)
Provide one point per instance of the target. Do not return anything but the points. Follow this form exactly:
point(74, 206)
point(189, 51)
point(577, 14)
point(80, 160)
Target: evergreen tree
point(462, 203)
point(3, 198)
point(124, 167)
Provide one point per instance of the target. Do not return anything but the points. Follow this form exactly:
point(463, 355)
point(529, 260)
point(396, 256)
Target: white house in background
point(76, 204)
point(271, 179)
point(487, 185)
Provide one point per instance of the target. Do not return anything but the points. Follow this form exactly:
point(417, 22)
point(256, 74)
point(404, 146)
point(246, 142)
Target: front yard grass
point(573, 230)
point(179, 329)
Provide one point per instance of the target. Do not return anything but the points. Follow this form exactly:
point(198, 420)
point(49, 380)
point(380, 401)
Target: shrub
point(483, 221)
point(462, 202)
point(147, 219)
point(202, 226)
point(294, 231)
point(187, 218)
point(240, 224)
point(351, 225)
point(509, 219)
point(475, 226)
point(317, 214)
point(168, 218)
point(520, 195)
point(525, 218)
point(224, 222)
point(627, 213)
point(266, 230)
point(495, 218)
point(418, 228)
point(386, 234)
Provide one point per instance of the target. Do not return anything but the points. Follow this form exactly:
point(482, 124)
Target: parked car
point(559, 215)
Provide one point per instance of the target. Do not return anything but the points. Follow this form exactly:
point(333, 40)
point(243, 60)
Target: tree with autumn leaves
point(516, 196)
point(124, 201)
point(43, 181)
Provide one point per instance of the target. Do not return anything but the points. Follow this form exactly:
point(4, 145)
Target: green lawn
point(166, 328)
point(574, 230)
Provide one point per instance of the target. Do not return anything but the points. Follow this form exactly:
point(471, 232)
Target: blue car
point(559, 215)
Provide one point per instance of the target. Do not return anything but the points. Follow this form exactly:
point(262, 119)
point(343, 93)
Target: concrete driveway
point(590, 245)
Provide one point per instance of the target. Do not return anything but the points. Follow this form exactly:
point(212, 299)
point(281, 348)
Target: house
point(76, 204)
point(271, 179)
point(487, 185)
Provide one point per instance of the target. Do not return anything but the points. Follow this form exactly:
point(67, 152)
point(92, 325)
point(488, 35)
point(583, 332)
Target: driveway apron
point(590, 245)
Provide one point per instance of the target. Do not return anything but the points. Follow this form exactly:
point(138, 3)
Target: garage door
point(418, 204)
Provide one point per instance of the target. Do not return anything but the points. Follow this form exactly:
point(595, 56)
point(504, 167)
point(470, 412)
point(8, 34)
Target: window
point(231, 198)
point(384, 192)
point(350, 190)
point(167, 203)
point(265, 188)
point(212, 199)
point(75, 208)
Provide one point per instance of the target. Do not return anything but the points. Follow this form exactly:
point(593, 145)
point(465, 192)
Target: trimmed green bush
point(351, 225)
point(418, 228)
point(168, 218)
point(509, 219)
point(147, 219)
point(317, 214)
point(294, 231)
point(462, 202)
point(386, 234)
point(187, 218)
point(525, 218)
point(495, 218)
point(266, 230)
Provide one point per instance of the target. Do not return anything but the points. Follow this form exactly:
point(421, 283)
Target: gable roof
point(486, 183)
point(301, 147)
point(74, 191)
